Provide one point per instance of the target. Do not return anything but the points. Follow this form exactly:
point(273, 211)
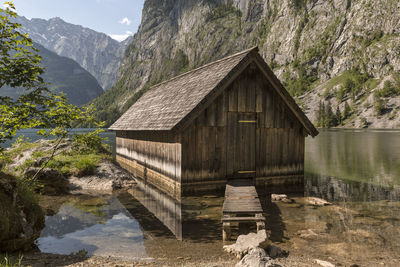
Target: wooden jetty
point(241, 205)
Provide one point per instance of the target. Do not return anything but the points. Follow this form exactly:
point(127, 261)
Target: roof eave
point(307, 124)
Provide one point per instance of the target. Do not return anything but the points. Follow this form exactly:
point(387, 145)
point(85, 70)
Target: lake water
point(357, 170)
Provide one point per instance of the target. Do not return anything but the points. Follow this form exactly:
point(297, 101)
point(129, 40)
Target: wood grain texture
point(247, 131)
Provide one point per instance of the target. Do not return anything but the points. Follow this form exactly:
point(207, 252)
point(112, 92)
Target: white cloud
point(121, 37)
point(125, 21)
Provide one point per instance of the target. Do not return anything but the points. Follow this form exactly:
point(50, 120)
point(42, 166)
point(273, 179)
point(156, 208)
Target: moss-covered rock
point(51, 182)
point(21, 218)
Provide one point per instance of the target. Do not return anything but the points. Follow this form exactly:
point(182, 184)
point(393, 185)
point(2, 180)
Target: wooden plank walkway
point(241, 198)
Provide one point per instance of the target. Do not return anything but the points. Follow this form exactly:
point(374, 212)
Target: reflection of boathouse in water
point(229, 119)
point(191, 217)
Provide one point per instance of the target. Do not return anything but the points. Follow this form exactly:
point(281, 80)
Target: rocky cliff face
point(96, 52)
point(336, 51)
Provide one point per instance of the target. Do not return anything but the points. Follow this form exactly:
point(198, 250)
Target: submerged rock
point(245, 243)
point(282, 198)
point(21, 218)
point(324, 263)
point(276, 252)
point(256, 258)
point(307, 234)
point(315, 201)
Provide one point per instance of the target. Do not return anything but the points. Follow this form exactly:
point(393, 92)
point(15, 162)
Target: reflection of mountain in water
point(339, 190)
point(72, 217)
point(102, 227)
point(364, 156)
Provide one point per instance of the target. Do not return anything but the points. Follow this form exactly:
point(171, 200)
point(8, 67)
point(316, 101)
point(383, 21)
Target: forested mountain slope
point(344, 53)
point(96, 52)
point(64, 75)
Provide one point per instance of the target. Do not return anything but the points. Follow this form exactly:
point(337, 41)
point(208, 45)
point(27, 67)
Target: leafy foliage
point(19, 67)
point(61, 117)
point(36, 108)
point(19, 63)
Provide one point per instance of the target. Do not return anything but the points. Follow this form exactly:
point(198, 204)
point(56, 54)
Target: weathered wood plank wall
point(152, 156)
point(216, 146)
point(279, 139)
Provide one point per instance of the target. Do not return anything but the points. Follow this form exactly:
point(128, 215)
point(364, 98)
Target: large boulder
point(245, 243)
point(256, 258)
point(21, 218)
point(51, 181)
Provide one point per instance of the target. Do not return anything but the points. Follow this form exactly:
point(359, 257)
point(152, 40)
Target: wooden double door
point(241, 145)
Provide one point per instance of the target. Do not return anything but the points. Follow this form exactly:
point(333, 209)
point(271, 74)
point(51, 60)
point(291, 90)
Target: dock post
point(260, 224)
point(226, 230)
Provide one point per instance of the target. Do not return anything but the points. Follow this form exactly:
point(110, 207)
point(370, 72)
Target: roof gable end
point(176, 103)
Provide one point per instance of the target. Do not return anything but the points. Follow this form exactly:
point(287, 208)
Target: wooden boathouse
point(231, 118)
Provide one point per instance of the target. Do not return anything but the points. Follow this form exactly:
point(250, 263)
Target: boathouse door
point(241, 145)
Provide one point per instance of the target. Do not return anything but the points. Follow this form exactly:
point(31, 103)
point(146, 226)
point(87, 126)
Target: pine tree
point(323, 115)
point(330, 117)
point(338, 116)
point(319, 114)
point(346, 111)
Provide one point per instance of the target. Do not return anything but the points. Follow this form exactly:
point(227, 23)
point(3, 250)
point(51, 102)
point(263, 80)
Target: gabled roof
point(173, 104)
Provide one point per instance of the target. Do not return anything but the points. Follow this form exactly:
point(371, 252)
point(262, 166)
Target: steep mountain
point(96, 52)
point(65, 75)
point(340, 59)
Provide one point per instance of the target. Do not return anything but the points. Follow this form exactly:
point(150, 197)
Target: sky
point(117, 18)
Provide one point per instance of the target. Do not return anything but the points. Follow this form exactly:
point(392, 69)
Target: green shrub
point(90, 141)
point(379, 105)
point(86, 165)
point(300, 84)
point(363, 122)
point(297, 4)
point(388, 90)
point(223, 11)
point(299, 30)
point(6, 261)
point(77, 164)
point(340, 94)
point(353, 84)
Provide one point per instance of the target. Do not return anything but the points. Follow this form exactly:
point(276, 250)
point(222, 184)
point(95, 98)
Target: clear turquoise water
point(357, 170)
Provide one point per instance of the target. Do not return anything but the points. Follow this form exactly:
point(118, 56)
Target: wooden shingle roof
point(170, 104)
